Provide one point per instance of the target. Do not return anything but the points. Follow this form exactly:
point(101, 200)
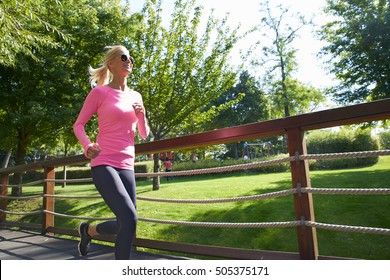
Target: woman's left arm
point(143, 127)
point(140, 112)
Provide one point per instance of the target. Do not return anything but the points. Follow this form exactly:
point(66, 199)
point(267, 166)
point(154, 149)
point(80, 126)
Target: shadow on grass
point(269, 210)
point(356, 210)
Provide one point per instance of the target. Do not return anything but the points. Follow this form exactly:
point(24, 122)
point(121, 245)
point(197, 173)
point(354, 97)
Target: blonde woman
point(120, 111)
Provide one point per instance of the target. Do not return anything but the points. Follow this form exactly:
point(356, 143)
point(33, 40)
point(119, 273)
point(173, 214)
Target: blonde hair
point(102, 75)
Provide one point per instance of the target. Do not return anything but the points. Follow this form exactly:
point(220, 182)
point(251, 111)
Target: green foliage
point(212, 163)
point(384, 139)
point(249, 104)
point(359, 43)
point(301, 98)
point(287, 96)
point(346, 140)
point(178, 71)
point(41, 97)
point(25, 29)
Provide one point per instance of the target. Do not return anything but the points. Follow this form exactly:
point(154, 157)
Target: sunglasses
point(126, 58)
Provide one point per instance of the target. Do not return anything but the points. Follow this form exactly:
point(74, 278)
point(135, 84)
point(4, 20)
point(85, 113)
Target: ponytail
point(99, 76)
point(102, 75)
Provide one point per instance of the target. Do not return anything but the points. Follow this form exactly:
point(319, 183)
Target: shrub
point(384, 139)
point(212, 163)
point(345, 140)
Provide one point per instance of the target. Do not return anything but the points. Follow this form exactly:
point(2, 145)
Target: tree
point(287, 95)
point(177, 71)
point(301, 98)
point(248, 105)
point(359, 42)
point(24, 30)
point(18, 37)
point(251, 107)
point(281, 53)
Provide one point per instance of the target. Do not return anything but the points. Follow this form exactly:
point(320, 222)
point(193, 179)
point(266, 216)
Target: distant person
point(120, 110)
point(168, 168)
point(171, 157)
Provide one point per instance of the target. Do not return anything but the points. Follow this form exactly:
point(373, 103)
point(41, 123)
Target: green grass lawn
point(357, 210)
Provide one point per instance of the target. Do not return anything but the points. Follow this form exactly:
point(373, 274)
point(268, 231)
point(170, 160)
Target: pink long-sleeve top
point(117, 122)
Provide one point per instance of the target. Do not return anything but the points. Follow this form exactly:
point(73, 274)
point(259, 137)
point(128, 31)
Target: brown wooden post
point(48, 202)
point(307, 236)
point(4, 192)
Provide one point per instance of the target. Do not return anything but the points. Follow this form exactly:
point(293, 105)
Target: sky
point(247, 13)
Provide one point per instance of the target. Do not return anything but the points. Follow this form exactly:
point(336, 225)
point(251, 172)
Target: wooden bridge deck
point(27, 245)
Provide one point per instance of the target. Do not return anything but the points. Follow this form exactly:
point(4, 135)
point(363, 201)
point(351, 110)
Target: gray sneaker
point(85, 239)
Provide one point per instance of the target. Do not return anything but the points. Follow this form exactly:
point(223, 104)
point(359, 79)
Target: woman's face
point(122, 63)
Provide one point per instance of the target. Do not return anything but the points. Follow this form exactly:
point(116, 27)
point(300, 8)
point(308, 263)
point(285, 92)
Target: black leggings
point(117, 187)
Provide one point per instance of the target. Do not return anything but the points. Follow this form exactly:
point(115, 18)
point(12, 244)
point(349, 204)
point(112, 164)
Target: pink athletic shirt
point(117, 123)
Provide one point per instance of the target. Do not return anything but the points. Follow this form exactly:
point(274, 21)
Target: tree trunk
point(6, 159)
point(284, 87)
point(65, 167)
point(18, 179)
point(156, 180)
point(20, 156)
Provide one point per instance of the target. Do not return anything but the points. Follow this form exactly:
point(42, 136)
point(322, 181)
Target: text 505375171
point(241, 270)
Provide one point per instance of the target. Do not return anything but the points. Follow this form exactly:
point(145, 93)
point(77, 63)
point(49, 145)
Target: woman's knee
point(129, 221)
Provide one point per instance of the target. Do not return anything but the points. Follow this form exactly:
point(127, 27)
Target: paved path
point(27, 245)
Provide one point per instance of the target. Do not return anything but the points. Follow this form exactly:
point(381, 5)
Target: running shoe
point(85, 239)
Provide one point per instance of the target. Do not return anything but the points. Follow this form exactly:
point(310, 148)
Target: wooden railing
point(294, 127)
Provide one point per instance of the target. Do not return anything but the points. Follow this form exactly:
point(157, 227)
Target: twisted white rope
point(266, 163)
point(232, 167)
point(352, 191)
point(22, 213)
point(224, 225)
point(73, 196)
point(222, 200)
point(345, 155)
point(79, 217)
point(217, 169)
point(254, 197)
point(360, 229)
point(21, 197)
point(80, 180)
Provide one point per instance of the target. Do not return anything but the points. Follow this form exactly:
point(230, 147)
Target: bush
point(212, 163)
point(384, 140)
point(346, 140)
point(77, 173)
point(142, 168)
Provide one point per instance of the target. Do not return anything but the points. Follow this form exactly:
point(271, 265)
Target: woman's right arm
point(87, 111)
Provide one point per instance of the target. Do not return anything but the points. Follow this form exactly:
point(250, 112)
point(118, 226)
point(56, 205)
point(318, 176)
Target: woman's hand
point(138, 107)
point(93, 151)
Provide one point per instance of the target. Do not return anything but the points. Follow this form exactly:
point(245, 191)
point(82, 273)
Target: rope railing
point(238, 225)
point(360, 229)
point(266, 163)
point(21, 197)
point(298, 190)
point(218, 169)
point(231, 167)
point(22, 213)
point(361, 154)
point(289, 224)
point(352, 191)
point(224, 225)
